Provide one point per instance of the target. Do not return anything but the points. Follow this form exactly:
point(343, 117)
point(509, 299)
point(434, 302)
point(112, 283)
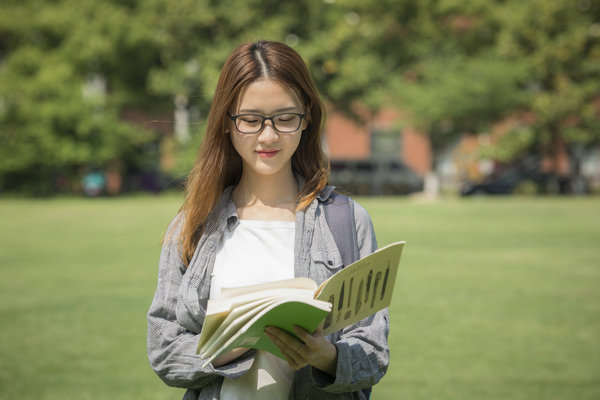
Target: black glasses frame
point(263, 119)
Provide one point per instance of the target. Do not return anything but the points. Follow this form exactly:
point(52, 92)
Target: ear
point(305, 121)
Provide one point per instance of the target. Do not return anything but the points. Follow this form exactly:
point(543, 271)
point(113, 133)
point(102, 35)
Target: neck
point(272, 190)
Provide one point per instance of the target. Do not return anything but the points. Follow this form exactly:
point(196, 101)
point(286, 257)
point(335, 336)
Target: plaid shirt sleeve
point(171, 346)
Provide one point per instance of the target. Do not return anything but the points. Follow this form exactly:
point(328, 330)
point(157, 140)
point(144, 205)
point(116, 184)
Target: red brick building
point(346, 139)
point(375, 155)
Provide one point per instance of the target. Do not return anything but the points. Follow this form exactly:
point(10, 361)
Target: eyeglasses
point(254, 123)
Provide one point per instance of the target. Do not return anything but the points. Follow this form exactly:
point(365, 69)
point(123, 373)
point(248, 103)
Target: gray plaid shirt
point(177, 312)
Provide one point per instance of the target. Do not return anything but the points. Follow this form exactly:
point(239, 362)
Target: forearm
point(172, 353)
point(363, 355)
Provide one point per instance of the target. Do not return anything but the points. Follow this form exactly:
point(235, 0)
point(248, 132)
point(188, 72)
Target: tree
point(559, 42)
point(472, 65)
point(69, 70)
point(63, 87)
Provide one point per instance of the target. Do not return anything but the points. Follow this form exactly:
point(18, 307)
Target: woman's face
point(267, 152)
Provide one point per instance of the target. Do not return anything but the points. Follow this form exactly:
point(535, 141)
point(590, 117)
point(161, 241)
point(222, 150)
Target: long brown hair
point(218, 165)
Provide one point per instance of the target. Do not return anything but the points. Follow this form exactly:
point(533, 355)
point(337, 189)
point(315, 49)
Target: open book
point(240, 316)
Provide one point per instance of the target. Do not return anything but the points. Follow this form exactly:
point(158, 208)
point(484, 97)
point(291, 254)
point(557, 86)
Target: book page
point(211, 323)
point(294, 283)
point(284, 314)
point(362, 288)
point(247, 310)
point(232, 325)
point(226, 304)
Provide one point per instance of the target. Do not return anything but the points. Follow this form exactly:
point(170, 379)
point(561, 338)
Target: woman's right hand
point(228, 357)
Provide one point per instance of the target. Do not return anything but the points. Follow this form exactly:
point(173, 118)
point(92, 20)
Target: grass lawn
point(497, 298)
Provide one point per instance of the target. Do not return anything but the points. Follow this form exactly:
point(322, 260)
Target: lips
point(267, 153)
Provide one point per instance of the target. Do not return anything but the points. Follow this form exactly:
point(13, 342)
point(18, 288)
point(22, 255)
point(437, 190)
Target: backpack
point(339, 214)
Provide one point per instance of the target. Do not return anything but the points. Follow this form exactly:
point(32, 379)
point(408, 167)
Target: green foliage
point(463, 94)
point(455, 66)
point(560, 41)
point(514, 142)
point(476, 64)
point(55, 118)
point(145, 54)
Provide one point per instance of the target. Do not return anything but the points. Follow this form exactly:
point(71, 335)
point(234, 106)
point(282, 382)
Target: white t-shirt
point(256, 252)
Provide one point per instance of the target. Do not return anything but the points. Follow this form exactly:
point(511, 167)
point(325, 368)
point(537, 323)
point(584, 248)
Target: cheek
point(296, 143)
point(237, 143)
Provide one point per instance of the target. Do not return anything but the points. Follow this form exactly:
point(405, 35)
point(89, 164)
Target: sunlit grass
point(497, 298)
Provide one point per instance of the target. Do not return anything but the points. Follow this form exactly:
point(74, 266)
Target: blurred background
point(103, 105)
point(110, 97)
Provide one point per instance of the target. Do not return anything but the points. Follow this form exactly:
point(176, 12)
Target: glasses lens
point(248, 123)
point(286, 122)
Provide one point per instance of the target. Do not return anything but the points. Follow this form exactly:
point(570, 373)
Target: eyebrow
point(275, 111)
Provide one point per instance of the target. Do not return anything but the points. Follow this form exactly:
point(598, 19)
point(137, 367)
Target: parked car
point(521, 177)
point(374, 177)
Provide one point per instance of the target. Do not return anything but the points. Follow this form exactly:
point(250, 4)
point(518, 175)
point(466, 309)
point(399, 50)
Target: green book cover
point(283, 314)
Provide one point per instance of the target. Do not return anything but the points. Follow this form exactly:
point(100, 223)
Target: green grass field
point(497, 298)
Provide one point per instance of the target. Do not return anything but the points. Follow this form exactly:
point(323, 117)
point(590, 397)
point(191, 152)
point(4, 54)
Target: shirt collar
point(323, 195)
point(227, 212)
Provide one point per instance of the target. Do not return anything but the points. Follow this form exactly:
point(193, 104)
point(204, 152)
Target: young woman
point(253, 212)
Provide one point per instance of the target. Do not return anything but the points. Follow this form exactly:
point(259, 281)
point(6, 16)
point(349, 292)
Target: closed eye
point(250, 120)
point(285, 117)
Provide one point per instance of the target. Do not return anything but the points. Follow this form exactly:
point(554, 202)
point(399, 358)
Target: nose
point(268, 133)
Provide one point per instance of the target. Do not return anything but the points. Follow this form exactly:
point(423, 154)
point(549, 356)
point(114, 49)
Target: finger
point(284, 338)
point(292, 355)
point(302, 333)
point(275, 338)
point(295, 360)
point(320, 327)
point(287, 347)
point(310, 340)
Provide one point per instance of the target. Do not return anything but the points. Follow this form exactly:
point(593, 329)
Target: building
point(374, 155)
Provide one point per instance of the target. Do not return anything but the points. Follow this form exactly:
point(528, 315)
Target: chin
point(268, 170)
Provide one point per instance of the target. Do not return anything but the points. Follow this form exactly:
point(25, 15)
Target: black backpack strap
point(339, 214)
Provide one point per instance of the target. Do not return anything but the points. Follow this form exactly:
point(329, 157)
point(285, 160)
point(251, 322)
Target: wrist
point(328, 360)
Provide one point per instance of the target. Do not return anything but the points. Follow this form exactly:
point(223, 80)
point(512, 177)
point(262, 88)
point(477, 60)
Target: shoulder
point(175, 227)
point(361, 214)
point(365, 231)
point(346, 206)
point(328, 196)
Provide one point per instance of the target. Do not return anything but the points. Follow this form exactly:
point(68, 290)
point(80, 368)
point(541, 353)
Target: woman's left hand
point(315, 350)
